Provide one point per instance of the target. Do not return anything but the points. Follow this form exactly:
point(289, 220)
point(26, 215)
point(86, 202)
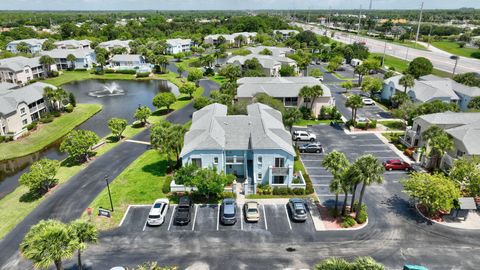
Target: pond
point(119, 98)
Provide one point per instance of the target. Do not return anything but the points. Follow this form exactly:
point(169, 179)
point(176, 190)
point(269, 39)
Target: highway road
point(440, 59)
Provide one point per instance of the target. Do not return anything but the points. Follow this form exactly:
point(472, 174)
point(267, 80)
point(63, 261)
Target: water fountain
point(109, 90)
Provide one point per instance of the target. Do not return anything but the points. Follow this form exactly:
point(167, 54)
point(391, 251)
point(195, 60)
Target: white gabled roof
point(127, 58)
point(178, 42)
point(18, 63)
point(10, 99)
point(63, 53)
point(469, 136)
point(277, 86)
point(212, 129)
point(30, 41)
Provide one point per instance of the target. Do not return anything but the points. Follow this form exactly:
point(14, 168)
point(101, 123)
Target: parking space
point(261, 225)
point(135, 218)
point(304, 227)
point(207, 216)
point(277, 218)
point(166, 223)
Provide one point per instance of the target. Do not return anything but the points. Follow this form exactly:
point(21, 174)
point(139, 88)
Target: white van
point(355, 62)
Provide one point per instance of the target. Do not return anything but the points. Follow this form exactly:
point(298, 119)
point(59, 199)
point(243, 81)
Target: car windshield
point(252, 210)
point(157, 205)
point(153, 216)
point(183, 208)
point(228, 215)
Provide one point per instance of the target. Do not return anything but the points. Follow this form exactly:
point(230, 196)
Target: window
point(291, 101)
point(460, 153)
point(279, 162)
point(278, 179)
point(22, 111)
point(260, 160)
point(259, 176)
point(418, 128)
point(197, 162)
point(24, 122)
point(215, 160)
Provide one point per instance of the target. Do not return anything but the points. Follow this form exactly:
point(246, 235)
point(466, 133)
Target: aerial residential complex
point(73, 44)
point(178, 45)
point(20, 70)
point(34, 45)
point(115, 44)
point(84, 58)
point(231, 39)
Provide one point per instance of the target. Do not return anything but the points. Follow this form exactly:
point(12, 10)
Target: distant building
point(285, 89)
point(20, 70)
point(20, 107)
point(256, 148)
point(34, 45)
point(229, 38)
point(463, 127)
point(73, 44)
point(127, 61)
point(178, 45)
point(286, 33)
point(112, 44)
point(271, 64)
point(276, 51)
point(84, 58)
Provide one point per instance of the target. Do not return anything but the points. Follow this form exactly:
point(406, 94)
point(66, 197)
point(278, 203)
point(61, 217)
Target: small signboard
point(104, 213)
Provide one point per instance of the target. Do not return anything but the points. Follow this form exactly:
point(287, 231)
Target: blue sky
point(226, 4)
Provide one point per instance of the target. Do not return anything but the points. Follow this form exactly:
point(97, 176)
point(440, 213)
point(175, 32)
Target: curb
point(441, 223)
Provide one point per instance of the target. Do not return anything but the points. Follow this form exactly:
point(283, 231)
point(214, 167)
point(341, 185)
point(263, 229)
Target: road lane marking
point(218, 215)
point(144, 226)
point(171, 218)
point(124, 216)
point(139, 142)
point(241, 219)
point(195, 217)
point(288, 217)
point(265, 217)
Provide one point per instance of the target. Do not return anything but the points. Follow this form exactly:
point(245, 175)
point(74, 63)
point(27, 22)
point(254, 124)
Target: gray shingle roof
point(6, 86)
point(276, 51)
point(267, 61)
point(451, 118)
point(277, 86)
point(73, 43)
point(468, 135)
point(18, 63)
point(30, 41)
point(178, 42)
point(63, 53)
point(212, 129)
point(126, 57)
point(115, 43)
point(428, 88)
point(10, 99)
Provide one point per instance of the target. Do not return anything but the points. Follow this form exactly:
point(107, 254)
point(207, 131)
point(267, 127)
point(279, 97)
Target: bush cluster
point(362, 214)
point(143, 74)
point(69, 108)
point(329, 113)
point(348, 222)
point(166, 184)
point(32, 125)
point(126, 71)
point(288, 191)
point(46, 118)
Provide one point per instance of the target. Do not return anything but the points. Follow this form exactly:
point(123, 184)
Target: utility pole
point(454, 57)
point(384, 52)
point(419, 23)
point(359, 22)
point(370, 7)
point(109, 194)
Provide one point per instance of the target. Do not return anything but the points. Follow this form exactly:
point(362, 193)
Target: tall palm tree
point(361, 70)
point(439, 143)
point(369, 171)
point(291, 116)
point(316, 91)
point(47, 61)
point(335, 162)
point(162, 61)
point(49, 242)
point(306, 92)
point(354, 102)
point(239, 40)
point(407, 81)
point(86, 233)
point(71, 58)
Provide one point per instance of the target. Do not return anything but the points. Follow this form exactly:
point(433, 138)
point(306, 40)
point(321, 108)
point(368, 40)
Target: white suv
point(157, 213)
point(299, 135)
point(368, 101)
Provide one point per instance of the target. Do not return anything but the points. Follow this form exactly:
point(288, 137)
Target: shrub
point(54, 74)
point(209, 72)
point(228, 195)
point(281, 191)
point(126, 71)
point(2, 139)
point(46, 119)
point(348, 222)
point(362, 214)
point(166, 184)
point(99, 72)
point(109, 70)
point(8, 138)
point(307, 113)
point(69, 108)
point(56, 114)
point(308, 184)
point(143, 74)
point(81, 69)
point(32, 126)
point(298, 191)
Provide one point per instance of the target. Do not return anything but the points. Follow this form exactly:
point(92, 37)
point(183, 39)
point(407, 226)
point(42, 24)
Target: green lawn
point(139, 183)
point(393, 124)
point(218, 79)
point(453, 48)
point(304, 122)
point(394, 138)
point(341, 77)
point(48, 133)
point(400, 65)
point(241, 51)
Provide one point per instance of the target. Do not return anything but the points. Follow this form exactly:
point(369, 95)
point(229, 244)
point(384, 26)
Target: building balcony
point(234, 160)
point(279, 171)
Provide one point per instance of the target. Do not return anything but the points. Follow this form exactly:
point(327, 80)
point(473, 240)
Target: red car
point(396, 164)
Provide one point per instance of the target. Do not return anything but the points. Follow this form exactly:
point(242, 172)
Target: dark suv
point(182, 214)
point(228, 214)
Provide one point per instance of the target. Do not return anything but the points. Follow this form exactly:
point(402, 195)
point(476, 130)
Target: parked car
point(368, 101)
point(300, 135)
point(157, 213)
point(311, 148)
point(396, 164)
point(298, 209)
point(183, 211)
point(252, 214)
point(228, 212)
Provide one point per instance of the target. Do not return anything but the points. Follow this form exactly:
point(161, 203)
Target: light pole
point(109, 194)
point(419, 22)
point(454, 57)
point(384, 52)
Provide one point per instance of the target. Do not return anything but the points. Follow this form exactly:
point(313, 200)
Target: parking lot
point(274, 218)
point(353, 146)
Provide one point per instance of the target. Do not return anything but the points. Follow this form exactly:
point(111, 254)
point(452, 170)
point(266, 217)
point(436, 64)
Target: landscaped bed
point(48, 133)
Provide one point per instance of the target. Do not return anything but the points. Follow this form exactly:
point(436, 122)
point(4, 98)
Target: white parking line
point(144, 226)
point(171, 218)
point(124, 216)
point(194, 217)
point(288, 218)
point(241, 219)
point(264, 217)
point(218, 216)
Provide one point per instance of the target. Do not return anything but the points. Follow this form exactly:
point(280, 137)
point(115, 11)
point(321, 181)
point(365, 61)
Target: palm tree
point(162, 61)
point(439, 143)
point(306, 92)
point(46, 61)
point(71, 58)
point(50, 241)
point(361, 70)
point(354, 102)
point(369, 171)
point(86, 233)
point(49, 94)
point(239, 40)
point(317, 91)
point(291, 116)
point(348, 85)
point(335, 162)
point(407, 81)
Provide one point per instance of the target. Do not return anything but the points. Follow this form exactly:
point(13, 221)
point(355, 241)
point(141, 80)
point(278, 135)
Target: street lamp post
point(454, 57)
point(109, 194)
point(419, 23)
